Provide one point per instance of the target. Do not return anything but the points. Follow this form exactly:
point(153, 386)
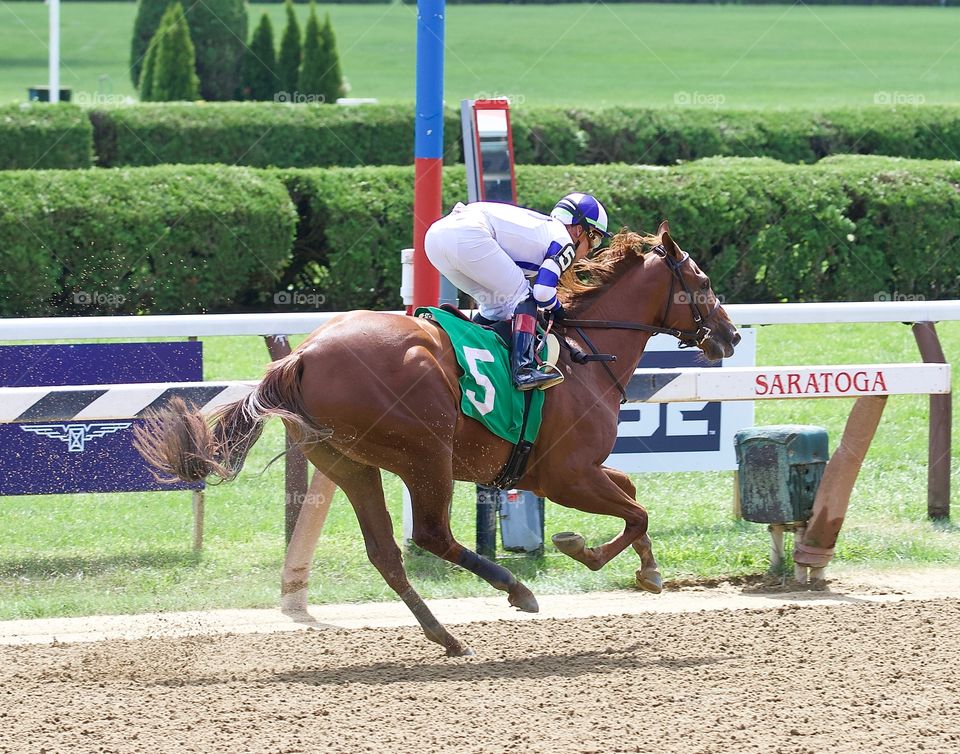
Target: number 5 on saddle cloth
point(487, 391)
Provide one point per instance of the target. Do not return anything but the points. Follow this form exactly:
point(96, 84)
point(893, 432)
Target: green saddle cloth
point(486, 385)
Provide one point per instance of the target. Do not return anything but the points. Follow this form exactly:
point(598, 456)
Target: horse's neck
point(629, 299)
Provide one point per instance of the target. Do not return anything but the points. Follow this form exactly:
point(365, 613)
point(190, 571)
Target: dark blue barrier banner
point(656, 424)
point(85, 456)
point(695, 436)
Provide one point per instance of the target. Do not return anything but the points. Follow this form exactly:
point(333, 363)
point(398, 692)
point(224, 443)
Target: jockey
point(493, 252)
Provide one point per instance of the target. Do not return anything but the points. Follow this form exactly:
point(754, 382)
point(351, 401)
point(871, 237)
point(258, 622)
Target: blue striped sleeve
point(528, 266)
point(545, 286)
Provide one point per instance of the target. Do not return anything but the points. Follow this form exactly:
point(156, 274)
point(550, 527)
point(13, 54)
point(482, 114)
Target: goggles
point(596, 238)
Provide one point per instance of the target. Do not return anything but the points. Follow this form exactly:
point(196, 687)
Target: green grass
point(126, 553)
point(735, 56)
point(88, 554)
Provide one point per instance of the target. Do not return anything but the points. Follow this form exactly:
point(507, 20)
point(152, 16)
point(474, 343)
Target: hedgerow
point(846, 228)
point(44, 136)
point(167, 239)
point(200, 238)
point(281, 135)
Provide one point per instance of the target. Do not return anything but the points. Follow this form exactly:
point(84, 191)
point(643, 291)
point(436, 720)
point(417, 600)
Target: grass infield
point(776, 56)
point(88, 554)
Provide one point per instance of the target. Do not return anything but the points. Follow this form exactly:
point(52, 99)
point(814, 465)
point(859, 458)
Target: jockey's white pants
point(462, 247)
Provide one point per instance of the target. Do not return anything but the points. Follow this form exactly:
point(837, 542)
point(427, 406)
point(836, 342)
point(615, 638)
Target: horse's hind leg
point(295, 575)
point(648, 577)
point(431, 488)
point(364, 489)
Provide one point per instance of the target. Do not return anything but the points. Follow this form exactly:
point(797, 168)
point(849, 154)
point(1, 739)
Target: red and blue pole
point(428, 146)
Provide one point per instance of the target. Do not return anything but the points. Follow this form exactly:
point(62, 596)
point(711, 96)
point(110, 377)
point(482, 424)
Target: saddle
point(504, 331)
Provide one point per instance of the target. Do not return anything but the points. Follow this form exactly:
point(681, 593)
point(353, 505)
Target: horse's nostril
point(736, 338)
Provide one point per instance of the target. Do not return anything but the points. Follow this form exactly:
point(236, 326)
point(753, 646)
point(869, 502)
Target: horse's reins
point(687, 338)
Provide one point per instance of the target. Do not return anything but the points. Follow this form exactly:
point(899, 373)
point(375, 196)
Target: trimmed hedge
point(45, 136)
point(279, 135)
point(666, 136)
point(353, 224)
point(166, 239)
point(268, 134)
point(844, 229)
point(176, 239)
point(257, 134)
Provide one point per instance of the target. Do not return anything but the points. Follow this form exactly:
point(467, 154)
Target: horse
point(373, 390)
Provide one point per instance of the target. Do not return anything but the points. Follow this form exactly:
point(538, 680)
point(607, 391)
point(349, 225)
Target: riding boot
point(523, 361)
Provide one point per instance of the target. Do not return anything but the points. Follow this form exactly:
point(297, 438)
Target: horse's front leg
point(295, 575)
point(648, 577)
point(593, 490)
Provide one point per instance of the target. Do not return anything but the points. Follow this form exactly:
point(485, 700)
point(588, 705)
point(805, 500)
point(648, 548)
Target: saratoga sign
point(818, 383)
point(744, 383)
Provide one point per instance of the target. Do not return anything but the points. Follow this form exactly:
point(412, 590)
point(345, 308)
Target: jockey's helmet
point(581, 209)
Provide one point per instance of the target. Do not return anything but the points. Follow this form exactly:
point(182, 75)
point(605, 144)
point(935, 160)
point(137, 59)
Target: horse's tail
point(183, 444)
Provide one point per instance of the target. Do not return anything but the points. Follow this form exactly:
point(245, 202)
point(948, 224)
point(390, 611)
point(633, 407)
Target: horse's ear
point(664, 228)
point(669, 245)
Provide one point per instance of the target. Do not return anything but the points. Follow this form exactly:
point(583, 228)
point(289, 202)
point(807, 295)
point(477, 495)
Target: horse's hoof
point(294, 601)
point(650, 581)
point(523, 599)
point(460, 651)
point(569, 543)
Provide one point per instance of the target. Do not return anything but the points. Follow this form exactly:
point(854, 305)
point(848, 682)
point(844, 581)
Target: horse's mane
point(581, 283)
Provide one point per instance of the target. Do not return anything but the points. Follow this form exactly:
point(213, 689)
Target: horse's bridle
point(687, 338)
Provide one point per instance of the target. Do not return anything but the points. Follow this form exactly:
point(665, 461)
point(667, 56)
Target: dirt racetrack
point(853, 676)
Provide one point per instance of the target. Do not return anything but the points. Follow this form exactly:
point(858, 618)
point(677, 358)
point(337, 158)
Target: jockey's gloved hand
point(557, 314)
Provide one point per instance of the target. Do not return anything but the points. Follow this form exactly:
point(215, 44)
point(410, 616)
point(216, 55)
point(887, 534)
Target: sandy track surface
point(864, 667)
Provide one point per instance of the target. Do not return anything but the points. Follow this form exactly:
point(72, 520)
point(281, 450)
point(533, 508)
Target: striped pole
point(428, 146)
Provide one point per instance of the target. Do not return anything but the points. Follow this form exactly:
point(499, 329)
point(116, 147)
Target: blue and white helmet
point(581, 209)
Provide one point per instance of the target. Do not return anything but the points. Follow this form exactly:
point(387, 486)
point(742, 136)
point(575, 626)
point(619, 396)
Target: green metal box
point(780, 468)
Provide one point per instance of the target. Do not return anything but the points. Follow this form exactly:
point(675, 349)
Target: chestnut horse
point(370, 391)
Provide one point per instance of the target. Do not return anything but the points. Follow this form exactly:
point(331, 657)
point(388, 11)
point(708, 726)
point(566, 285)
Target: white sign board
point(695, 436)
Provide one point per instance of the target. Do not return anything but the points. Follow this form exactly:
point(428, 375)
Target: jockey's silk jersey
point(538, 244)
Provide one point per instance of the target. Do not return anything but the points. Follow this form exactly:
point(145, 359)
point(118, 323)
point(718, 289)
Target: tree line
point(199, 53)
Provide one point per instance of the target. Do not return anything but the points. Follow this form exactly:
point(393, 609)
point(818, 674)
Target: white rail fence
point(115, 401)
point(29, 329)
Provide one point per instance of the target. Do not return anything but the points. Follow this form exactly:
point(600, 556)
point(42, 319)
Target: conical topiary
point(291, 53)
point(260, 80)
point(175, 74)
point(314, 57)
point(331, 80)
point(149, 13)
point(149, 66)
point(218, 29)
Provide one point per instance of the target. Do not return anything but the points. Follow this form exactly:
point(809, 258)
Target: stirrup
point(544, 380)
point(548, 368)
